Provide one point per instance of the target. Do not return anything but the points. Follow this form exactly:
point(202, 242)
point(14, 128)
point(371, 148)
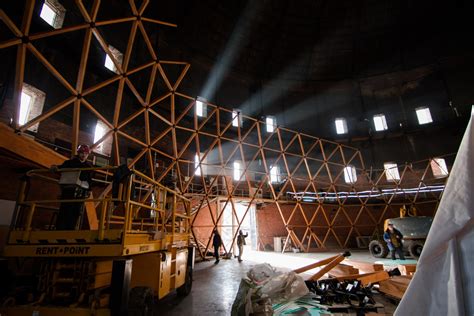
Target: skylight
point(25, 107)
point(31, 105)
point(237, 170)
point(117, 55)
point(350, 174)
point(341, 126)
point(197, 169)
point(270, 123)
point(236, 120)
point(201, 108)
point(391, 171)
point(380, 122)
point(439, 168)
point(53, 13)
point(424, 115)
point(274, 174)
point(100, 129)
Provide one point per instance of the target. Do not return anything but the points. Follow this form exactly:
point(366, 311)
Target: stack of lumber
point(340, 268)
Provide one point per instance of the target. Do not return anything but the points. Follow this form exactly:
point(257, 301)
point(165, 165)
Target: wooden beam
point(25, 147)
point(327, 267)
point(364, 267)
point(375, 277)
point(315, 265)
point(395, 286)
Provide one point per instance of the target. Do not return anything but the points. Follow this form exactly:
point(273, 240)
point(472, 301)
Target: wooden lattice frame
point(309, 163)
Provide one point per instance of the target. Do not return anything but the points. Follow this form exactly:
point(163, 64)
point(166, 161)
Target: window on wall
point(100, 130)
point(270, 122)
point(439, 168)
point(341, 126)
point(350, 174)
point(117, 55)
point(236, 118)
point(53, 13)
point(424, 115)
point(391, 171)
point(201, 107)
point(237, 170)
point(380, 122)
point(31, 105)
point(274, 174)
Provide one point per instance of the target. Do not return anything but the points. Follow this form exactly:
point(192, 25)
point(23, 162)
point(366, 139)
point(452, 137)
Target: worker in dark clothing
point(241, 243)
point(217, 243)
point(70, 213)
point(393, 237)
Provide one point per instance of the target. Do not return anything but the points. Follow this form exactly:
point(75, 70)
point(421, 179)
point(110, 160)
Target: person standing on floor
point(393, 237)
point(241, 243)
point(217, 243)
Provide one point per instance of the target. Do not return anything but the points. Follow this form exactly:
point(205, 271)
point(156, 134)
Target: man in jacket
point(393, 237)
point(241, 243)
point(70, 213)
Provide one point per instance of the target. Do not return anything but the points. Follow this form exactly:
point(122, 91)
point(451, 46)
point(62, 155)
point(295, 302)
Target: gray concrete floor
point(215, 286)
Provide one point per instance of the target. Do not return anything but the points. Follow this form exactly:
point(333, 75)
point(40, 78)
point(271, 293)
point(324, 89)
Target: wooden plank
point(395, 286)
point(374, 278)
point(407, 269)
point(351, 277)
point(327, 268)
point(364, 267)
point(27, 148)
point(342, 270)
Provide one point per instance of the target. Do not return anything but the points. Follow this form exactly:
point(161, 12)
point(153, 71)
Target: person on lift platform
point(74, 185)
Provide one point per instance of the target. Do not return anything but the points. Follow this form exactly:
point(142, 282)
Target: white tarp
point(444, 280)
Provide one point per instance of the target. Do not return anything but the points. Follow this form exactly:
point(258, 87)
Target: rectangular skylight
point(270, 122)
point(201, 108)
point(391, 171)
point(47, 13)
point(380, 122)
point(424, 115)
point(53, 13)
point(235, 118)
point(274, 174)
point(350, 174)
point(341, 125)
point(237, 171)
point(31, 105)
point(197, 169)
point(25, 106)
point(439, 168)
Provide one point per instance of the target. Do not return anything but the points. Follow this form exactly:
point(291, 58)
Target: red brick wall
point(345, 227)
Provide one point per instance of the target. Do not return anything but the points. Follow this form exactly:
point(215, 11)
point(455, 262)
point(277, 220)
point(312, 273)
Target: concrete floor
point(215, 286)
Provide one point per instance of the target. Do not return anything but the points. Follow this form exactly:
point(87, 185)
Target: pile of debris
point(340, 285)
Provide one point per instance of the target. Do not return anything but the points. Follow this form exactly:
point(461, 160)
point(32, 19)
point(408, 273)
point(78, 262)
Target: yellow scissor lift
point(131, 247)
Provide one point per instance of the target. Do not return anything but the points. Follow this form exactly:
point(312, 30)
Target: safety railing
point(132, 203)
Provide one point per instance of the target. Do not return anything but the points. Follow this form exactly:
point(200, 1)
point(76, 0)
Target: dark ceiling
point(308, 62)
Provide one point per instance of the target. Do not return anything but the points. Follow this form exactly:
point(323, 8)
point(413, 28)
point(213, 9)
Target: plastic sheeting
point(265, 286)
point(444, 280)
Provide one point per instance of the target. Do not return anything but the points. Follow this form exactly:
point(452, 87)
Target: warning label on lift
point(62, 250)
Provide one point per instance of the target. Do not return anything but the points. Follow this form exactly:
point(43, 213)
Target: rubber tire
point(185, 289)
point(378, 249)
point(141, 301)
point(415, 248)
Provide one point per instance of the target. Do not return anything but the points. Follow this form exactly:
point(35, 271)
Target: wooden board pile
point(343, 284)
